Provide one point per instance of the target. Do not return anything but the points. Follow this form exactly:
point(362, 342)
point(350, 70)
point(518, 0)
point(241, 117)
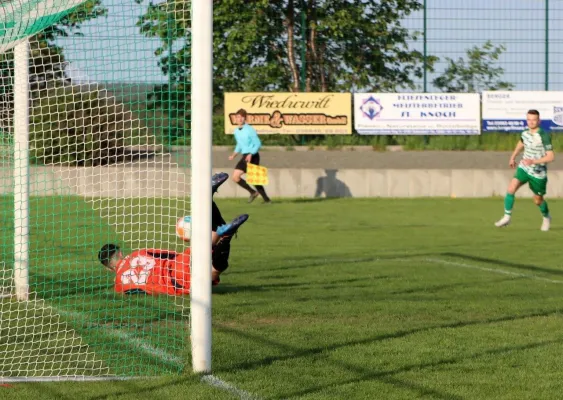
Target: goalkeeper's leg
point(220, 258)
point(217, 180)
point(221, 251)
point(216, 221)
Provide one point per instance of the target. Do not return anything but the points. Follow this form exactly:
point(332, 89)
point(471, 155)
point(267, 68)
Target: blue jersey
point(247, 140)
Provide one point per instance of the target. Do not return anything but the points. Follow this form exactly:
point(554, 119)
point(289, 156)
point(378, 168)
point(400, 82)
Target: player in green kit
point(532, 169)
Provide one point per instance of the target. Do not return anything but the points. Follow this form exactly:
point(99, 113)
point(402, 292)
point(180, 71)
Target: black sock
point(242, 183)
point(220, 255)
point(260, 189)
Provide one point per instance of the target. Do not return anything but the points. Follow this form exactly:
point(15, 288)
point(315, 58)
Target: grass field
point(336, 299)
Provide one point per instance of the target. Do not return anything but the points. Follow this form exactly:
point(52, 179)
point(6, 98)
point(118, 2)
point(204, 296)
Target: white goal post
point(21, 170)
point(201, 140)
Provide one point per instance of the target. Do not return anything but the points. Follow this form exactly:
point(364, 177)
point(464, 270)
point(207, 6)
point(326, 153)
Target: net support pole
point(21, 170)
point(201, 142)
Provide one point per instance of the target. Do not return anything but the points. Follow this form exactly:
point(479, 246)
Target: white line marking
point(494, 270)
point(130, 339)
point(165, 356)
point(147, 348)
point(220, 384)
point(23, 379)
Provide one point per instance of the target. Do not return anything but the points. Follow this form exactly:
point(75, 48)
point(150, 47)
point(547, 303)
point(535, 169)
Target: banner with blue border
point(505, 111)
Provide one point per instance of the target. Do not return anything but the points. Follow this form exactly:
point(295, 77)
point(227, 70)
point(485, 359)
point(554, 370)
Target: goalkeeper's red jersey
point(154, 271)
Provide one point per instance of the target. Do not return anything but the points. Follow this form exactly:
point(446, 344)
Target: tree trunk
point(321, 64)
point(310, 51)
point(291, 45)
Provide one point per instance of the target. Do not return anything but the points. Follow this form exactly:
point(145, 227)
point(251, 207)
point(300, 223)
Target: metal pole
point(424, 50)
point(546, 45)
point(303, 53)
point(303, 46)
point(425, 55)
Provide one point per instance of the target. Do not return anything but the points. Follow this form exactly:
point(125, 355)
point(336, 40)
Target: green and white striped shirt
point(536, 145)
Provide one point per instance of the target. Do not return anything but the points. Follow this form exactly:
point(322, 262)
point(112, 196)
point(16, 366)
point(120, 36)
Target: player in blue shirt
point(248, 145)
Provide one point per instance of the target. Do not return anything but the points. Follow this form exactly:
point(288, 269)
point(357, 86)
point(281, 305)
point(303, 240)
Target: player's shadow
point(308, 200)
point(526, 267)
point(331, 186)
point(298, 263)
point(271, 287)
point(227, 288)
point(292, 353)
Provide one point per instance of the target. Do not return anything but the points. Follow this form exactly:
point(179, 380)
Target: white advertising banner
point(506, 110)
point(417, 113)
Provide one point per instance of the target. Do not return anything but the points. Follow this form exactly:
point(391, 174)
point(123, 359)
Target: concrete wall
point(154, 179)
point(391, 183)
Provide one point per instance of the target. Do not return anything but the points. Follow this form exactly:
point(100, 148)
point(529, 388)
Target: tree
point(476, 73)
point(258, 45)
point(47, 63)
point(47, 60)
point(48, 83)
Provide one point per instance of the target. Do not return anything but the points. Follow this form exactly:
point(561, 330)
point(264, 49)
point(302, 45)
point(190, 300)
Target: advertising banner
point(505, 111)
point(292, 113)
point(417, 113)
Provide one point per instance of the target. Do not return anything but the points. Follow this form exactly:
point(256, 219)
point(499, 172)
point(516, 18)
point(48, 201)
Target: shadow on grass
point(50, 287)
point(315, 261)
point(226, 288)
point(387, 376)
point(500, 263)
point(292, 352)
point(129, 388)
point(439, 288)
point(301, 200)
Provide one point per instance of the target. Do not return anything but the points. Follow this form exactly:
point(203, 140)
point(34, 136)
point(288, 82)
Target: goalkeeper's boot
point(504, 221)
point(232, 227)
point(217, 180)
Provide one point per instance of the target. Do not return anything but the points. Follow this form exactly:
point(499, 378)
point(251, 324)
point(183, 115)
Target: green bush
point(490, 141)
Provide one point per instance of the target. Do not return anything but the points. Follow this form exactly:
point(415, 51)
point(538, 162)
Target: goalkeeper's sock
point(242, 183)
point(508, 204)
point(544, 209)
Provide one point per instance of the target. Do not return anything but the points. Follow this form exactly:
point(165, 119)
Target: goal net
point(94, 136)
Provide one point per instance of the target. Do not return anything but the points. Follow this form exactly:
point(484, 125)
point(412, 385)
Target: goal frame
point(200, 191)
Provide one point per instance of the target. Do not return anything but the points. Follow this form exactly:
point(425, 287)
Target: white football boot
point(546, 223)
point(504, 221)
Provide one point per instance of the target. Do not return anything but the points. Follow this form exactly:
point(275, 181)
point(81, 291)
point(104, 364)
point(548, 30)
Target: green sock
point(543, 208)
point(508, 203)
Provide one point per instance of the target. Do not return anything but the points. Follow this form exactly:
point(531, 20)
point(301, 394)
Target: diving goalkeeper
point(154, 271)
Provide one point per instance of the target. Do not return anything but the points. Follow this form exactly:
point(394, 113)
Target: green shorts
point(537, 185)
